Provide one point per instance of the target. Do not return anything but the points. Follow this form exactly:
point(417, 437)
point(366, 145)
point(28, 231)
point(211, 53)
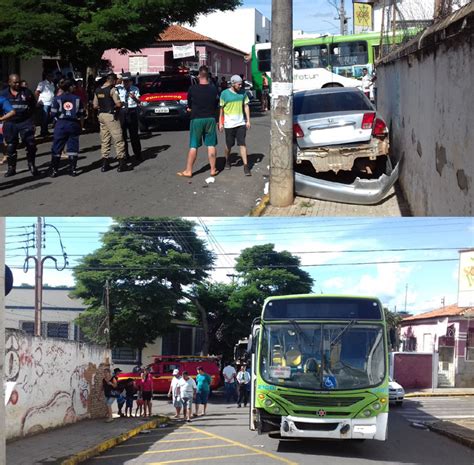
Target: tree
point(80, 31)
point(393, 320)
point(230, 309)
point(148, 263)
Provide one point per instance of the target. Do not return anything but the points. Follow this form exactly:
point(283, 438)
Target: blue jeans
point(230, 391)
point(45, 117)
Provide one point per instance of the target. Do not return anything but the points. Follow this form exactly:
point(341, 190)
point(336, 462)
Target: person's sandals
point(182, 175)
point(227, 164)
point(247, 170)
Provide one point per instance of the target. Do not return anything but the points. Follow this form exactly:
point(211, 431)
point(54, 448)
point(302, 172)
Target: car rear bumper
point(361, 191)
point(358, 428)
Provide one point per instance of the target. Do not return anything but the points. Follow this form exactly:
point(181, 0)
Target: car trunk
point(332, 129)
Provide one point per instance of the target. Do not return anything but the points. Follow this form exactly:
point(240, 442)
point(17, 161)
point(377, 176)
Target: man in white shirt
point(45, 94)
point(366, 82)
point(173, 392)
point(243, 379)
point(187, 392)
point(229, 375)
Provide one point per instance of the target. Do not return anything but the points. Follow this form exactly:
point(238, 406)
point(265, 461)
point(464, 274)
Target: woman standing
point(147, 390)
point(109, 384)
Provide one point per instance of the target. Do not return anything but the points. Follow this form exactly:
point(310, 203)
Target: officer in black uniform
point(68, 112)
point(21, 125)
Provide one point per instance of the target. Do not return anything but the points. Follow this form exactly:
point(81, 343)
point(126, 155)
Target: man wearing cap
point(107, 102)
point(173, 392)
point(235, 119)
point(130, 98)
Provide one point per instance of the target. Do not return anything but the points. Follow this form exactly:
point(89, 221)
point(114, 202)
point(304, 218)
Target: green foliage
point(393, 321)
point(148, 263)
point(81, 30)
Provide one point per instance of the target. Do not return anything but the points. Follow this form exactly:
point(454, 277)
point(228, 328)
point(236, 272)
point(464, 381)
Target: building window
point(470, 344)
point(28, 327)
point(58, 330)
point(409, 344)
point(124, 355)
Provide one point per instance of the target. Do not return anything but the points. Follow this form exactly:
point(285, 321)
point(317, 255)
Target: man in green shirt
point(203, 382)
point(235, 119)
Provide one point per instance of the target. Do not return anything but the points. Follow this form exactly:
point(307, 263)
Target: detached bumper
point(361, 191)
point(361, 428)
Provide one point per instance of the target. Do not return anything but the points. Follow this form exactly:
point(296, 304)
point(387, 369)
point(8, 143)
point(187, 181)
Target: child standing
point(129, 394)
point(140, 403)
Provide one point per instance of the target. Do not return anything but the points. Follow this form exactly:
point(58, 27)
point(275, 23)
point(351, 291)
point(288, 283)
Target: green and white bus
point(320, 368)
point(326, 61)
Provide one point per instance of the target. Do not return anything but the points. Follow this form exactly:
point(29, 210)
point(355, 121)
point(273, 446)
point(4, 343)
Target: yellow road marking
point(201, 458)
point(165, 441)
point(161, 451)
point(244, 446)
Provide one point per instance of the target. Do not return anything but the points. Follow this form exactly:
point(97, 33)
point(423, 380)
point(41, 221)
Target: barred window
point(470, 344)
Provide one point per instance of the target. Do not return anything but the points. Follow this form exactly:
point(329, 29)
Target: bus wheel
point(331, 84)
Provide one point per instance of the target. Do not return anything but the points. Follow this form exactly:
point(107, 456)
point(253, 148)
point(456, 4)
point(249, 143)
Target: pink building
point(196, 50)
point(448, 333)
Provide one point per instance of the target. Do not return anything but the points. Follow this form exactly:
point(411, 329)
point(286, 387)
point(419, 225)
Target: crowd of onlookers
point(134, 395)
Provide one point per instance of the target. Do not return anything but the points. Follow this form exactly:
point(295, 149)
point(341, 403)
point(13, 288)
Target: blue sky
point(310, 16)
point(326, 246)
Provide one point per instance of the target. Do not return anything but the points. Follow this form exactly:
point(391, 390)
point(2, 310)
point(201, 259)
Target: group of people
point(237, 384)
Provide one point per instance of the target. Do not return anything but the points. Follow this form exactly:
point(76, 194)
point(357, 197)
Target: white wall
point(56, 382)
point(238, 28)
point(426, 99)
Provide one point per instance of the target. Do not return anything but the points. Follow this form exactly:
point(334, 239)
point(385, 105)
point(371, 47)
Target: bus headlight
point(376, 406)
point(276, 410)
point(367, 413)
point(268, 403)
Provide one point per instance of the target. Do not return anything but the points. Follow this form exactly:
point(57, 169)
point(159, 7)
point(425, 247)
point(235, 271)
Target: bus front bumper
point(358, 428)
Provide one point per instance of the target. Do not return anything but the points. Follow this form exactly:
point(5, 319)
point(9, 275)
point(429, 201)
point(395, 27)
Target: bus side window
point(169, 367)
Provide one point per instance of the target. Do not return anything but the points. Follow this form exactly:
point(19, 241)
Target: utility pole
point(281, 135)
point(406, 296)
point(3, 459)
point(38, 276)
point(343, 19)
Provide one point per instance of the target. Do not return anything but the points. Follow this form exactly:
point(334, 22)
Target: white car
point(395, 392)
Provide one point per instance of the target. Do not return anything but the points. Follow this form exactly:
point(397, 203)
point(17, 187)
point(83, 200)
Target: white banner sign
point(183, 51)
point(466, 279)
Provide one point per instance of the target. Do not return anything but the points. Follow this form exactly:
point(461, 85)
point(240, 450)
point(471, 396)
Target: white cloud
point(331, 284)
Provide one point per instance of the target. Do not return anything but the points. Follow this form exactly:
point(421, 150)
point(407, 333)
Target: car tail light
point(380, 128)
point(297, 131)
point(368, 120)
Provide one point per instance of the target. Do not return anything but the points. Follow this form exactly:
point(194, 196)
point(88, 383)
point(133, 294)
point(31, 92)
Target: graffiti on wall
point(53, 382)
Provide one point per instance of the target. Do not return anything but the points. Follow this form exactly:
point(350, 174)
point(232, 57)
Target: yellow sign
point(362, 17)
point(466, 279)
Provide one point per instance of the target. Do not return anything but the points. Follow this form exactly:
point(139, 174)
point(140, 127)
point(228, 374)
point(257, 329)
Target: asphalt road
point(223, 437)
point(151, 188)
point(426, 409)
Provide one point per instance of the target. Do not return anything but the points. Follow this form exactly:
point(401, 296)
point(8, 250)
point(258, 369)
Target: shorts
point(201, 397)
point(129, 402)
point(147, 395)
point(231, 134)
point(109, 400)
point(140, 402)
point(177, 403)
point(202, 129)
point(187, 402)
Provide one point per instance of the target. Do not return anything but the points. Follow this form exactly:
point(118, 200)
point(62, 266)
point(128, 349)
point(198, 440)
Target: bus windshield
point(320, 356)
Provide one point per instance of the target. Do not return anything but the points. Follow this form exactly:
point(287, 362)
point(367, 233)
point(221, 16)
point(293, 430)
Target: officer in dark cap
point(130, 98)
point(107, 101)
point(20, 125)
point(68, 111)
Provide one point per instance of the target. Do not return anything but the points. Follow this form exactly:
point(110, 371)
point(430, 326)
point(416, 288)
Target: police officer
point(68, 111)
point(107, 101)
point(20, 125)
point(130, 98)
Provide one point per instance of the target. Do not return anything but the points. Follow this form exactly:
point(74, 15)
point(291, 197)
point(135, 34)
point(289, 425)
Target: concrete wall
point(57, 382)
point(426, 98)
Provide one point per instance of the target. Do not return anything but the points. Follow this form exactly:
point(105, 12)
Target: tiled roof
point(177, 33)
point(450, 310)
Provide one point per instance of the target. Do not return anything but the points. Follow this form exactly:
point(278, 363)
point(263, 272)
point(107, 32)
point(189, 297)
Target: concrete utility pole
point(343, 19)
point(281, 139)
point(38, 276)
point(3, 459)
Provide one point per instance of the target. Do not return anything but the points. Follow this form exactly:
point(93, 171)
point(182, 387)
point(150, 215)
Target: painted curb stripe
point(220, 457)
point(159, 451)
point(109, 443)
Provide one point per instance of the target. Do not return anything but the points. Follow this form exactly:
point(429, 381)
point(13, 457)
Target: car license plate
point(162, 110)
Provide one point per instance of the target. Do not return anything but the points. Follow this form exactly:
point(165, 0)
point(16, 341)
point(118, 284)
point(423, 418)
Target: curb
point(435, 394)
point(461, 439)
point(112, 442)
point(261, 207)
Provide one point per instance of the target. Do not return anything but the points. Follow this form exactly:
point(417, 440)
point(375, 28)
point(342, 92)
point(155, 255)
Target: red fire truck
point(163, 366)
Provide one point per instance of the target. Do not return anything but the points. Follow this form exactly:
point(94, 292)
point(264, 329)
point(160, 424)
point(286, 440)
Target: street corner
point(461, 431)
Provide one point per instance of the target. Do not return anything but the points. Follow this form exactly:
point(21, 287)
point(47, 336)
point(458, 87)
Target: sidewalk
point(460, 430)
point(72, 444)
point(439, 392)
